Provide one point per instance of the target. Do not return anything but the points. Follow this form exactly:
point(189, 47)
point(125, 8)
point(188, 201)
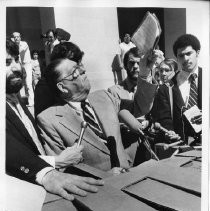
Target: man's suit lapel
point(109, 123)
point(177, 96)
point(17, 123)
point(70, 120)
point(14, 119)
point(200, 88)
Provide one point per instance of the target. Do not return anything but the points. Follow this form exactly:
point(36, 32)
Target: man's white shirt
point(184, 84)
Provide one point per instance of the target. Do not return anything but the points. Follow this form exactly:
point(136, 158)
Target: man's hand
point(156, 57)
point(197, 119)
point(65, 185)
point(150, 59)
point(118, 170)
point(171, 136)
point(69, 156)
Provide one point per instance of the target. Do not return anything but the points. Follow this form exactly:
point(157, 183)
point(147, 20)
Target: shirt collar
point(12, 98)
point(129, 85)
point(76, 105)
point(183, 76)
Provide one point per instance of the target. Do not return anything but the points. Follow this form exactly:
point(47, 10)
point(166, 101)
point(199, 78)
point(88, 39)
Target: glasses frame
point(77, 69)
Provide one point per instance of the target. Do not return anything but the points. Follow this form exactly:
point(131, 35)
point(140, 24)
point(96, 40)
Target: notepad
point(191, 113)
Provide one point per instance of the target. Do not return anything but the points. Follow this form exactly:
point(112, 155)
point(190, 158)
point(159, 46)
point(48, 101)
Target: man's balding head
point(17, 37)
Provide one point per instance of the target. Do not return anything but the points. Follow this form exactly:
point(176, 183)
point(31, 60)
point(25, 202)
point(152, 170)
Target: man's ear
point(198, 52)
point(61, 87)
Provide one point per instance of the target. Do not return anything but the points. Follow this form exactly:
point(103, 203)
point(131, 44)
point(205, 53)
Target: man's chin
point(134, 78)
point(82, 96)
point(13, 89)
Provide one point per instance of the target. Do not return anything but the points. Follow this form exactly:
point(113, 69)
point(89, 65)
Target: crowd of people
point(41, 147)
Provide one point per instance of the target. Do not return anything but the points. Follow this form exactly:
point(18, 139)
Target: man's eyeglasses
point(78, 70)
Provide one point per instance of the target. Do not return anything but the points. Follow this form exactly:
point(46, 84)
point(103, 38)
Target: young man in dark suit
point(186, 91)
point(23, 144)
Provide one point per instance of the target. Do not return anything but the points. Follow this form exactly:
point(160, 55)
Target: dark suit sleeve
point(21, 162)
point(161, 111)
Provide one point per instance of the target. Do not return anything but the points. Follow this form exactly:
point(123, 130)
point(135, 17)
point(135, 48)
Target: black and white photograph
point(106, 105)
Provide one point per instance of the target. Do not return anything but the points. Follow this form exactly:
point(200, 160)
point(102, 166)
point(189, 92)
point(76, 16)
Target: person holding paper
point(137, 71)
point(186, 91)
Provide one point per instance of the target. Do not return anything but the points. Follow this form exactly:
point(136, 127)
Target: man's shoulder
point(97, 93)
point(120, 91)
point(23, 44)
point(100, 96)
point(48, 113)
point(132, 45)
point(123, 45)
point(115, 88)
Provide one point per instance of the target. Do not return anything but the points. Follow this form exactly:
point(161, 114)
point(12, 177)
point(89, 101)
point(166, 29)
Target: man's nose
point(164, 73)
point(82, 69)
point(15, 66)
point(185, 57)
point(136, 65)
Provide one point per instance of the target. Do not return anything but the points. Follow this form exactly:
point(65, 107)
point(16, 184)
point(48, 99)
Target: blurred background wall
point(97, 31)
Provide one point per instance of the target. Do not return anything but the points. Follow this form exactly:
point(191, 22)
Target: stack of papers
point(147, 34)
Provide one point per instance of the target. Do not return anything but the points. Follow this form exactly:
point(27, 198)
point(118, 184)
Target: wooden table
point(169, 184)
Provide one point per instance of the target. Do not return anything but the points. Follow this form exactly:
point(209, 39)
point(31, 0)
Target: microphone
point(143, 139)
point(136, 126)
point(167, 146)
point(83, 127)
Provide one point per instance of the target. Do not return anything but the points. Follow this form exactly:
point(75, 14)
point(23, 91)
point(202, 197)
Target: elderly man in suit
point(61, 123)
point(24, 152)
point(186, 91)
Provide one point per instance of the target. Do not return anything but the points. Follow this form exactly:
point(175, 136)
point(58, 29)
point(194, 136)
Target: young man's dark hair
point(67, 50)
point(186, 40)
point(61, 34)
point(136, 53)
point(12, 48)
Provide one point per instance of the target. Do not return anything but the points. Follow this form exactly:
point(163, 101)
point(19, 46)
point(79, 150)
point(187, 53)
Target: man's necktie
point(193, 97)
point(90, 119)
